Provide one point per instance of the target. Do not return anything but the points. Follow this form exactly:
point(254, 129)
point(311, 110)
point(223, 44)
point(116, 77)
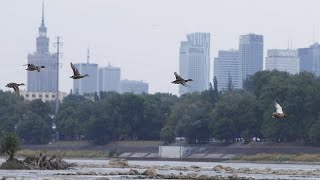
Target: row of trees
point(231, 115)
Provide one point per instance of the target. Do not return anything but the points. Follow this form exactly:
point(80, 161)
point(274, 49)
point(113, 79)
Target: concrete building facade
point(250, 54)
point(310, 59)
point(283, 60)
point(135, 87)
point(87, 84)
point(194, 62)
point(45, 80)
point(109, 79)
point(227, 70)
point(44, 96)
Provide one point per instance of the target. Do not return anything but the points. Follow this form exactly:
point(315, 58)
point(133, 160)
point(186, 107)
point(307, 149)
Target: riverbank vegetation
point(279, 157)
point(229, 116)
point(66, 153)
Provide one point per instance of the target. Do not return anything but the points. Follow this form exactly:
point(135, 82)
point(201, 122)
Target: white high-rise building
point(109, 79)
point(87, 84)
point(194, 62)
point(135, 87)
point(227, 70)
point(282, 60)
point(250, 54)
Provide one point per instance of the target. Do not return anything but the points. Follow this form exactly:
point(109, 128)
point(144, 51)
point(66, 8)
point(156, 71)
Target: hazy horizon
point(143, 37)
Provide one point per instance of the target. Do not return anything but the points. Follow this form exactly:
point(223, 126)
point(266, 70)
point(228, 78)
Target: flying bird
point(180, 80)
point(279, 112)
point(15, 86)
point(32, 67)
point(76, 74)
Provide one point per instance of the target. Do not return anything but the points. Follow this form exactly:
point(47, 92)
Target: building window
point(47, 96)
point(27, 95)
point(40, 95)
point(33, 95)
point(53, 96)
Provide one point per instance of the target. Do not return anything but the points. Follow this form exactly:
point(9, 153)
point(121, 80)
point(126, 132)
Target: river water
point(97, 169)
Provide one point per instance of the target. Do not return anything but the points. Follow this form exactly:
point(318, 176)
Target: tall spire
point(42, 39)
point(42, 20)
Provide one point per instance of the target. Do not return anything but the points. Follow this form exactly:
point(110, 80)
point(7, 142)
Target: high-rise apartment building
point(250, 54)
point(310, 59)
point(282, 60)
point(87, 84)
point(109, 79)
point(194, 62)
point(135, 87)
point(227, 70)
point(45, 80)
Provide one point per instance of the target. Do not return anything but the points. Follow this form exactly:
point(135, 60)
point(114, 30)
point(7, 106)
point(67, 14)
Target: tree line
point(231, 115)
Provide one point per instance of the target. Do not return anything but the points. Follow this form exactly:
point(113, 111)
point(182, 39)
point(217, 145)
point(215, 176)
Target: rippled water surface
point(100, 167)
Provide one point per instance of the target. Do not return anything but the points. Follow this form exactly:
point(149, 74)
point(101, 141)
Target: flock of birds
point(76, 75)
point(32, 67)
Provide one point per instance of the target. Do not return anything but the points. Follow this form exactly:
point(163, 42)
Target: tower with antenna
point(88, 56)
point(45, 80)
point(89, 84)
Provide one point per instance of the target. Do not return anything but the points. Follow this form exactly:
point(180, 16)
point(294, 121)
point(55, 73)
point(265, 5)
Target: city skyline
point(146, 41)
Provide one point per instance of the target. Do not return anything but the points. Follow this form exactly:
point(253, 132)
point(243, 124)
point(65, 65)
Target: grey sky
point(143, 36)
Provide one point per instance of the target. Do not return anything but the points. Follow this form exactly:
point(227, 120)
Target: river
point(98, 169)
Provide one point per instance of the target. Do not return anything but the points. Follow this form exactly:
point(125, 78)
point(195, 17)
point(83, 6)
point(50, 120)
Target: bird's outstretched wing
point(183, 83)
point(75, 70)
point(177, 76)
point(16, 89)
point(278, 107)
point(28, 65)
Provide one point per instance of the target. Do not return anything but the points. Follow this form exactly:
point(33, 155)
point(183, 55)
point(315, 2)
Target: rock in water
point(134, 172)
point(151, 172)
point(118, 163)
point(218, 168)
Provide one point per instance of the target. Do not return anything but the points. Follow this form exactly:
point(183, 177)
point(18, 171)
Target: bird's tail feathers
point(188, 80)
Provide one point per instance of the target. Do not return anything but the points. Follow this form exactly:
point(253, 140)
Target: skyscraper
point(135, 87)
point(310, 59)
point(250, 54)
point(45, 80)
point(194, 62)
point(109, 79)
point(87, 84)
point(227, 70)
point(282, 60)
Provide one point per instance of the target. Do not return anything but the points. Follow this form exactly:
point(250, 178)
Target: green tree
point(314, 134)
point(34, 125)
point(132, 112)
point(167, 134)
point(10, 144)
point(34, 130)
point(236, 110)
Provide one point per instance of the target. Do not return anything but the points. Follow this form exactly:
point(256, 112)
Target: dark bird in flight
point(180, 80)
point(32, 67)
point(15, 86)
point(279, 112)
point(76, 74)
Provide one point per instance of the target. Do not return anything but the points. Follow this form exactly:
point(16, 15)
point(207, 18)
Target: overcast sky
point(143, 36)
